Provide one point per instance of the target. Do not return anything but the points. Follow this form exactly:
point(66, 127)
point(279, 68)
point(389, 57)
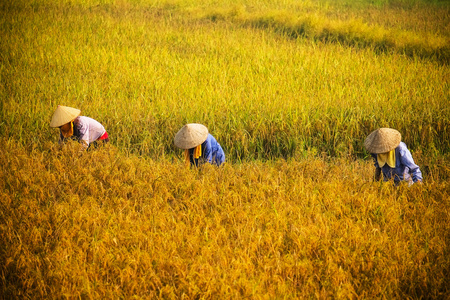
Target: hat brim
point(64, 115)
point(382, 140)
point(191, 135)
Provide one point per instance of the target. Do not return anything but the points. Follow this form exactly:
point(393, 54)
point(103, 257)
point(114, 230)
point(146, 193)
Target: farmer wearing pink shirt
point(83, 129)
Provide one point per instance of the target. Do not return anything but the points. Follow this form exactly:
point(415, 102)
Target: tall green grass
point(145, 70)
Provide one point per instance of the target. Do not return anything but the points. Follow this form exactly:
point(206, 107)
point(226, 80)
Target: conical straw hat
point(190, 136)
point(382, 140)
point(63, 115)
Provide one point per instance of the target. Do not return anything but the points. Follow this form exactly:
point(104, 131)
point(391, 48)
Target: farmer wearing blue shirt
point(199, 146)
point(392, 157)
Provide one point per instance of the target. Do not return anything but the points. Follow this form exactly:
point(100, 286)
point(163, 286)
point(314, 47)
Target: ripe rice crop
point(106, 225)
point(290, 89)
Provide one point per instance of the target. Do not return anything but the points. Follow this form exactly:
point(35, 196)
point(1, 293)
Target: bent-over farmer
point(199, 145)
point(392, 157)
point(83, 129)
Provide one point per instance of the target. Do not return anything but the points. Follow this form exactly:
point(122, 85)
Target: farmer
point(392, 157)
point(199, 146)
point(83, 129)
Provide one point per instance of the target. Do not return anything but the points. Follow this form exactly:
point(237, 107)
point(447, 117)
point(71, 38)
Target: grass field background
point(290, 89)
point(267, 79)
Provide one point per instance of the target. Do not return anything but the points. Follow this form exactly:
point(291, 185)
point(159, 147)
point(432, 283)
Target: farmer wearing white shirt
point(83, 129)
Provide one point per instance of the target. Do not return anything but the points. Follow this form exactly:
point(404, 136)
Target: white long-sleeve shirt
point(86, 129)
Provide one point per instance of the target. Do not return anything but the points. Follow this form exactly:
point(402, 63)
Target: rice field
point(290, 89)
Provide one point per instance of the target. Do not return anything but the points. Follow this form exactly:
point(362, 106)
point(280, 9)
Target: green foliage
point(268, 83)
point(353, 32)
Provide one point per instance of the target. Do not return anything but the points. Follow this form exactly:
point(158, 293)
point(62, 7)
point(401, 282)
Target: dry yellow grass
point(103, 224)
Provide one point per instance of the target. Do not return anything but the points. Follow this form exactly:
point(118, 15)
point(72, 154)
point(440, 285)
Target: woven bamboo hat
point(382, 140)
point(190, 136)
point(63, 115)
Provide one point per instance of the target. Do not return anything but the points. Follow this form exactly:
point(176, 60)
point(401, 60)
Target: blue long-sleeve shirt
point(405, 168)
point(212, 152)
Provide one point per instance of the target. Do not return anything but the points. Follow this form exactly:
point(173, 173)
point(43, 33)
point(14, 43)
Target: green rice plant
point(145, 69)
point(352, 32)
